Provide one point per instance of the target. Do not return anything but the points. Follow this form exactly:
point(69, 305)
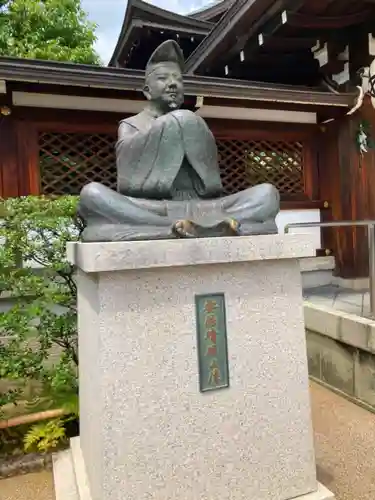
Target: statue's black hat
point(168, 51)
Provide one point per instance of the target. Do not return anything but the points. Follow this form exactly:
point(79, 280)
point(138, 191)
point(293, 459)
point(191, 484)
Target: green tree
point(42, 321)
point(56, 30)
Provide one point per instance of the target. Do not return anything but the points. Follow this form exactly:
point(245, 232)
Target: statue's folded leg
point(254, 208)
point(125, 232)
point(110, 216)
point(99, 203)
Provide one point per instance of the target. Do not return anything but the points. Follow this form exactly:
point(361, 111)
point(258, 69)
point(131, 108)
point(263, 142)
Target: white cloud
point(109, 16)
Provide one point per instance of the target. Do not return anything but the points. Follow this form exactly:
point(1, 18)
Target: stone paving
point(342, 299)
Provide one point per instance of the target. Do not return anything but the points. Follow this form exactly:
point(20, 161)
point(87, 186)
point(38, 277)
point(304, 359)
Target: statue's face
point(164, 86)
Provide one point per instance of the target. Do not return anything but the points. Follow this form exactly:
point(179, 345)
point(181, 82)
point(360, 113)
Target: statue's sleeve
point(148, 161)
point(135, 155)
point(200, 149)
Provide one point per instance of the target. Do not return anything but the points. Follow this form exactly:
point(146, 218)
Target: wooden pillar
point(28, 158)
point(327, 172)
point(347, 180)
point(18, 158)
point(8, 158)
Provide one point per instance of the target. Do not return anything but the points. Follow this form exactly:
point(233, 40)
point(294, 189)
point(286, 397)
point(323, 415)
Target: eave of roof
point(56, 73)
point(139, 23)
point(136, 30)
point(142, 10)
point(250, 14)
point(142, 7)
point(245, 19)
point(211, 11)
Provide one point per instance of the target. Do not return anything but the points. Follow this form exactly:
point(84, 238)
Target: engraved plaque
point(212, 342)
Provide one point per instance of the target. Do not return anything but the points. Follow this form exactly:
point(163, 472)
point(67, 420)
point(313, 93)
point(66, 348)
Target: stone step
point(322, 493)
point(64, 476)
point(69, 474)
point(317, 271)
point(80, 470)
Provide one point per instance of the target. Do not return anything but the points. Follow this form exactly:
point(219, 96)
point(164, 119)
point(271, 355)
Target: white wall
point(290, 216)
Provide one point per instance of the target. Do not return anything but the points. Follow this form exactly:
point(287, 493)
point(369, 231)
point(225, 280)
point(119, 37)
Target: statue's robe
point(171, 157)
point(167, 170)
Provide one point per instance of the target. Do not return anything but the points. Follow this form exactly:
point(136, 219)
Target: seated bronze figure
point(168, 178)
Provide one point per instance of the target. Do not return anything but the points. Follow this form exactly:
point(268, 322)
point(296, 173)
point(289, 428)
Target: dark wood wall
point(19, 148)
point(336, 174)
point(19, 151)
point(347, 180)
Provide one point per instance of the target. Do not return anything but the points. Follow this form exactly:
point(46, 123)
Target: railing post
point(371, 265)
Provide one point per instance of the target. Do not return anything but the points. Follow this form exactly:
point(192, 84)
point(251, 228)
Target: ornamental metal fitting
point(5, 111)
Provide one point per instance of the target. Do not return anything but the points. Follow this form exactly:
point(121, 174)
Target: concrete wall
point(341, 352)
point(285, 217)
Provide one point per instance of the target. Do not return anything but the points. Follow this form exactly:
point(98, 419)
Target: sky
point(109, 15)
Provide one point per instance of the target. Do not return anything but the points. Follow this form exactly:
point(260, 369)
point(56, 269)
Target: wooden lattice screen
point(68, 161)
point(247, 163)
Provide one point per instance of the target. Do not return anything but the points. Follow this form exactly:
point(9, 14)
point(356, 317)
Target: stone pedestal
point(147, 432)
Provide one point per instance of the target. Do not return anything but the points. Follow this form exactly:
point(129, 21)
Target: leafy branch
point(38, 333)
point(56, 30)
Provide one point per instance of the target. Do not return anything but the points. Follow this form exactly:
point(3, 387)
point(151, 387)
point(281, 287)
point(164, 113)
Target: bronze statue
point(168, 176)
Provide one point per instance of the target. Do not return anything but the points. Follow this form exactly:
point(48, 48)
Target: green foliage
point(43, 316)
point(45, 436)
point(55, 30)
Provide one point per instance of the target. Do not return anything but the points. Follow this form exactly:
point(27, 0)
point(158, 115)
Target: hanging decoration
point(367, 87)
point(364, 138)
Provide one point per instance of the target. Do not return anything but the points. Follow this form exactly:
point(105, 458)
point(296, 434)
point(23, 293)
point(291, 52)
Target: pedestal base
point(71, 481)
point(147, 430)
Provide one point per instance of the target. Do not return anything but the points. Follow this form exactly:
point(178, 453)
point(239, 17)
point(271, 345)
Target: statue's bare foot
point(184, 229)
point(234, 226)
point(190, 229)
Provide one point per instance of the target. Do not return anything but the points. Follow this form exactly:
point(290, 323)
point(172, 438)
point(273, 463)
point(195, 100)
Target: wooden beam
point(56, 101)
point(256, 114)
point(359, 51)
point(238, 12)
point(267, 57)
point(291, 66)
point(319, 6)
point(277, 43)
point(267, 33)
point(187, 30)
point(267, 25)
point(306, 21)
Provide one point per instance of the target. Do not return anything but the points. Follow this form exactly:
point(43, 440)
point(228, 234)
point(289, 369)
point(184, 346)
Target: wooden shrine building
point(275, 80)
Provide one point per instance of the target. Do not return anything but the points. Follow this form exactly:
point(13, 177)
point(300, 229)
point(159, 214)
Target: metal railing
point(370, 224)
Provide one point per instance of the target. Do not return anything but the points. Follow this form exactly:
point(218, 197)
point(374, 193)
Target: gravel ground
point(38, 486)
point(344, 445)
